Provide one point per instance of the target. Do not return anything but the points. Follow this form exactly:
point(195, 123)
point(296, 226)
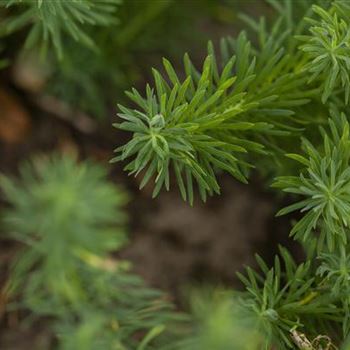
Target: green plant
point(213, 118)
point(245, 108)
point(325, 185)
point(220, 324)
point(52, 20)
point(327, 48)
point(69, 218)
point(285, 298)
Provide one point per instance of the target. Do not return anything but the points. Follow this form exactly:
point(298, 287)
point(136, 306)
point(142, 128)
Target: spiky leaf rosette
point(328, 48)
point(325, 184)
point(283, 299)
point(51, 20)
point(60, 210)
point(209, 120)
point(335, 271)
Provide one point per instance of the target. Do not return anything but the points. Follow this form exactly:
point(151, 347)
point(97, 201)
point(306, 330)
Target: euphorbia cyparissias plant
point(247, 107)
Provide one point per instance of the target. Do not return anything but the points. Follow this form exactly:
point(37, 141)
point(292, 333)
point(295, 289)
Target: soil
point(173, 244)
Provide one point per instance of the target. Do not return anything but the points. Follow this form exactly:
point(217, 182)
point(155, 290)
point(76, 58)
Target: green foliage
point(220, 324)
point(90, 80)
point(328, 48)
point(335, 268)
point(215, 118)
point(55, 203)
point(69, 218)
point(251, 99)
point(51, 20)
point(203, 124)
point(119, 312)
point(280, 301)
point(245, 107)
point(325, 184)
point(190, 137)
point(89, 77)
point(82, 81)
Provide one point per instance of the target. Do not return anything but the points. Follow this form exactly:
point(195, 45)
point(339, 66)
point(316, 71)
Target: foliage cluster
point(244, 109)
point(65, 272)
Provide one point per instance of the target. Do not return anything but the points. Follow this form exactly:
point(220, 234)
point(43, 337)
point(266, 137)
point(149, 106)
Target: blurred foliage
point(82, 78)
point(69, 218)
point(50, 20)
point(220, 323)
point(99, 57)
